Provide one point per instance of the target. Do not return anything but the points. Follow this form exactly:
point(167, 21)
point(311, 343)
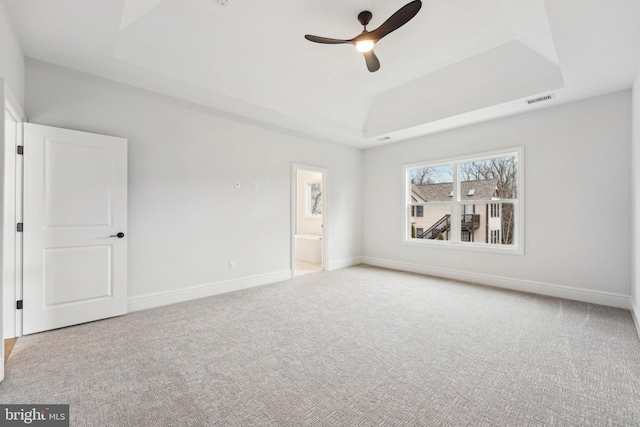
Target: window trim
point(455, 241)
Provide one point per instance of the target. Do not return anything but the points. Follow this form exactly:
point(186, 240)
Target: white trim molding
point(634, 315)
point(159, 299)
point(610, 299)
point(344, 263)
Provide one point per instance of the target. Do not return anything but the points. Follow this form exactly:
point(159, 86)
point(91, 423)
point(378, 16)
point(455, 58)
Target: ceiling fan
point(364, 42)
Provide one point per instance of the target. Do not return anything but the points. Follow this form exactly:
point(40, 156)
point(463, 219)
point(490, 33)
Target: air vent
point(384, 138)
point(541, 99)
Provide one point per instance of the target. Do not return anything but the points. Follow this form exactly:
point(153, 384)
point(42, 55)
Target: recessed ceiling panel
point(134, 9)
point(245, 51)
point(250, 59)
point(505, 73)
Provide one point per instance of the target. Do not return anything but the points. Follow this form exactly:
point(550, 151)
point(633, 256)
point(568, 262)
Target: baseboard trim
point(343, 263)
point(595, 297)
point(159, 299)
point(634, 314)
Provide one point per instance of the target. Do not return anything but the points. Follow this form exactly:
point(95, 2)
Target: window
point(314, 199)
point(473, 202)
point(495, 210)
point(468, 209)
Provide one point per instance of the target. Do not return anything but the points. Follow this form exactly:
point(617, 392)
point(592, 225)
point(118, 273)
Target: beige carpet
point(356, 347)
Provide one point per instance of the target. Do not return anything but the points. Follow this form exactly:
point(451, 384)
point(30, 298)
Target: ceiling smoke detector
point(223, 3)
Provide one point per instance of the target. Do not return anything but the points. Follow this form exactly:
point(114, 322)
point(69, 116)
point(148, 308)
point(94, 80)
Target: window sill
point(463, 246)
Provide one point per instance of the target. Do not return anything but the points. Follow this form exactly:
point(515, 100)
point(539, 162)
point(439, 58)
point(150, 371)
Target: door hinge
point(21, 149)
point(19, 304)
point(20, 227)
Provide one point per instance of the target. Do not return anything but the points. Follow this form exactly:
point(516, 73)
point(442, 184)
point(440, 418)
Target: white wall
point(635, 167)
point(577, 207)
point(11, 57)
point(305, 224)
point(186, 219)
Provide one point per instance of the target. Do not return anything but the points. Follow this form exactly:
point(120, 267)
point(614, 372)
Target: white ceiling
point(457, 62)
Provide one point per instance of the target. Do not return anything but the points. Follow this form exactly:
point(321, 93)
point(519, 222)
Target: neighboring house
point(480, 222)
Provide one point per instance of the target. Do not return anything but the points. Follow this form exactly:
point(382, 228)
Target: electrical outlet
point(459, 258)
point(232, 265)
point(255, 185)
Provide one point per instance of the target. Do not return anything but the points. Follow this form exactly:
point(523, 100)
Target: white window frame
point(455, 242)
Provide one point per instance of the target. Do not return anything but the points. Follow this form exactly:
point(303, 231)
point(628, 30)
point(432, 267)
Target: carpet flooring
point(362, 346)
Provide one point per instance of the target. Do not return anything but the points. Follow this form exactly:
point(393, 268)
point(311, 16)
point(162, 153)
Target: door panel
point(75, 198)
point(89, 279)
point(77, 201)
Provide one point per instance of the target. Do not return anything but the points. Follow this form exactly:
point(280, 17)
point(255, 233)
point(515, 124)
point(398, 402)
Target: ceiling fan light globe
point(364, 45)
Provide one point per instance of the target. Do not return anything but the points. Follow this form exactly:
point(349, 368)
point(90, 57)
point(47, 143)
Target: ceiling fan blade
point(325, 40)
point(397, 20)
point(373, 64)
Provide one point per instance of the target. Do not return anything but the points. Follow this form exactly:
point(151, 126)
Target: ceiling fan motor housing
point(365, 17)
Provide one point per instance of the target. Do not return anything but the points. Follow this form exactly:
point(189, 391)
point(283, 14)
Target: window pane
point(432, 175)
point(429, 185)
point(487, 223)
point(471, 222)
point(489, 179)
point(434, 225)
point(507, 223)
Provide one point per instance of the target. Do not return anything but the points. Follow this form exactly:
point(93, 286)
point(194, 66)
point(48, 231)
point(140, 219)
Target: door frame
point(9, 179)
point(325, 214)
point(12, 205)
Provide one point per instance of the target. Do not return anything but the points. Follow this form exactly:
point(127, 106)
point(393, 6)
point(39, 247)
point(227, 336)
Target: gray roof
point(484, 190)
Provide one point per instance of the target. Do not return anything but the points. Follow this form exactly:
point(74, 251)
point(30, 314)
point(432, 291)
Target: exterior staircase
point(440, 227)
point(469, 222)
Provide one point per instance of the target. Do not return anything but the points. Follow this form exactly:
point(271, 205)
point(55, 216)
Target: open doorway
point(309, 219)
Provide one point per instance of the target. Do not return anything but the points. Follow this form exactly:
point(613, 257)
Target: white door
point(75, 220)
